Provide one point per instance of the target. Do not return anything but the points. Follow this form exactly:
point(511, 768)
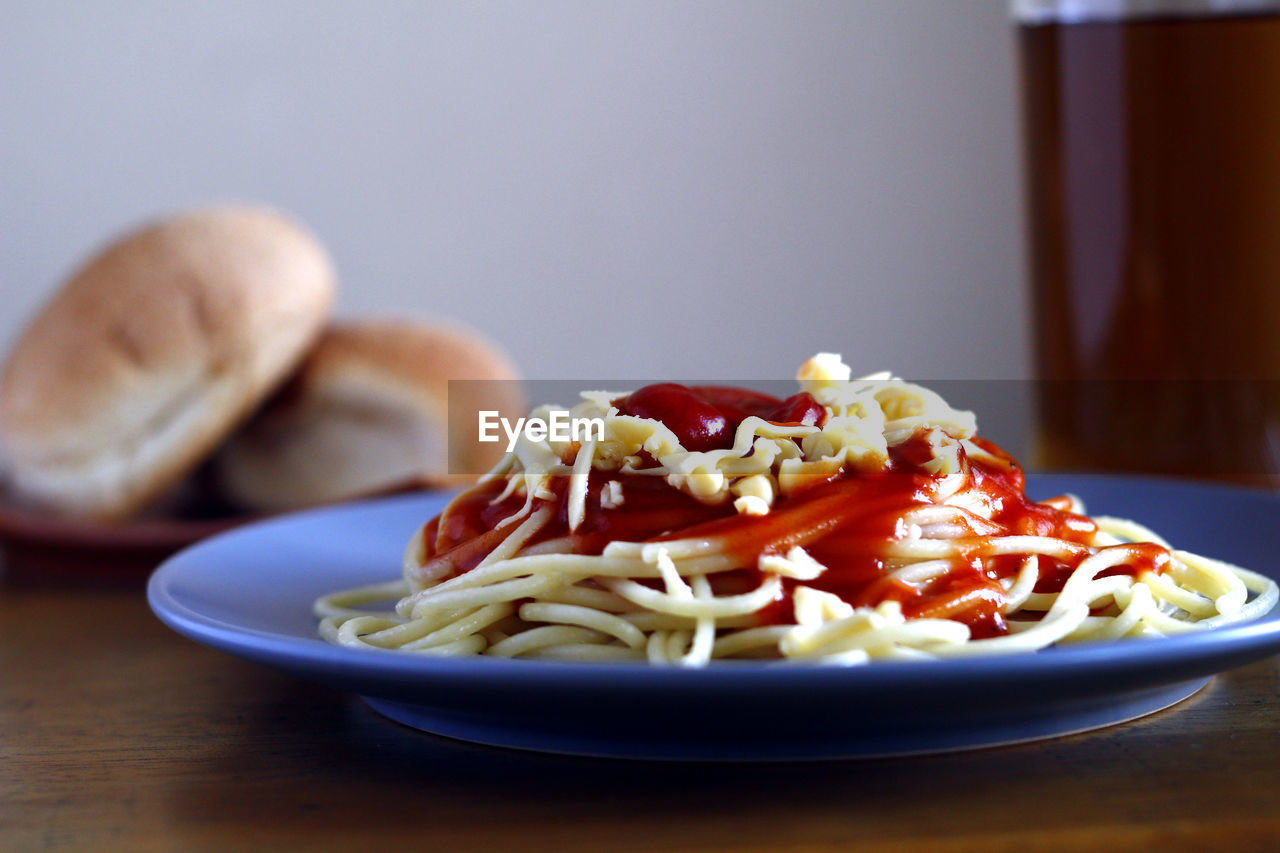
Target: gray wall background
point(628, 189)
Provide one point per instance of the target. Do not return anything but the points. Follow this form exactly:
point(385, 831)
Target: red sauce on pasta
point(705, 417)
point(848, 522)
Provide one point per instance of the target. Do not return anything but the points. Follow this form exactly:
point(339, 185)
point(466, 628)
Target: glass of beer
point(1153, 158)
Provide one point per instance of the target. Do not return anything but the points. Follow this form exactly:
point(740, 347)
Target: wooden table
point(118, 734)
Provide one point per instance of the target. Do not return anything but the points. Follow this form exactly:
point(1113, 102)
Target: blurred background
point(629, 189)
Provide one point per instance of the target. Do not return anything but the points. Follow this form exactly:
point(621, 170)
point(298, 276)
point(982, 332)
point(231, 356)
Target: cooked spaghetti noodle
point(858, 520)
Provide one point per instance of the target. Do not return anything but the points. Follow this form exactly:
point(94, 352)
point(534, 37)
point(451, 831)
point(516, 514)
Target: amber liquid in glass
point(1154, 179)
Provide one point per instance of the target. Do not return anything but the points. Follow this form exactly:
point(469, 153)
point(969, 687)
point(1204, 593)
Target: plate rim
point(1198, 653)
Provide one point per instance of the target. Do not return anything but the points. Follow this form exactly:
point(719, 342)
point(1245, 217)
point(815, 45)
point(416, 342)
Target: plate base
point(853, 741)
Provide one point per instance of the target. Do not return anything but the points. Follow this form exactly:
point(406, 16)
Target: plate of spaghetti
point(716, 573)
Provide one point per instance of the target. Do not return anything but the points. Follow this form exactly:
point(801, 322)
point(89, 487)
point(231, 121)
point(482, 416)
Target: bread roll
point(369, 413)
point(152, 353)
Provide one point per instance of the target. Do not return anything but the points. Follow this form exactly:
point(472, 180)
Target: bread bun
point(369, 413)
point(152, 353)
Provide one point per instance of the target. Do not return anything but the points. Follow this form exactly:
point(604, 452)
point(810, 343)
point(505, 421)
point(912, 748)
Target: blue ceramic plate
point(248, 592)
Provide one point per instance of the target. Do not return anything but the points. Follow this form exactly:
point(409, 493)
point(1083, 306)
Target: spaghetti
point(858, 520)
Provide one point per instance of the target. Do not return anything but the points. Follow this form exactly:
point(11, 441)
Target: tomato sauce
point(844, 522)
point(705, 417)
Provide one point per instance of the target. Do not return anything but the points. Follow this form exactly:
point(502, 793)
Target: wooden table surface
point(118, 734)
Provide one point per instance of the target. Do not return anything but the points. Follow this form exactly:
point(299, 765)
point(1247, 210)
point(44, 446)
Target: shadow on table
point(305, 752)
